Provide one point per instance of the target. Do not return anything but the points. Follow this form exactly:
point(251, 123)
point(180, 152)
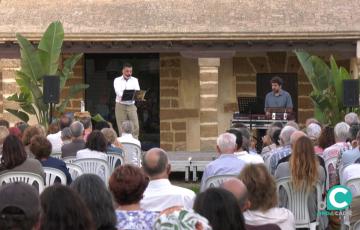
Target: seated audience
point(326, 139)
point(63, 209)
point(160, 194)
point(66, 136)
point(353, 131)
point(95, 147)
point(53, 128)
point(113, 146)
point(282, 152)
point(350, 156)
point(127, 184)
point(77, 143)
point(21, 126)
point(86, 121)
point(4, 132)
point(28, 134)
point(293, 124)
point(181, 219)
point(220, 207)
point(313, 131)
point(15, 131)
point(341, 135)
point(261, 188)
point(14, 158)
point(243, 154)
point(239, 190)
point(55, 139)
point(40, 146)
point(351, 118)
point(312, 121)
point(126, 134)
point(19, 207)
point(227, 163)
point(304, 170)
point(268, 143)
point(98, 199)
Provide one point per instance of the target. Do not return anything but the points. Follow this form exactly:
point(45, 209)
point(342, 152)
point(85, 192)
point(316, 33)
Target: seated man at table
point(278, 100)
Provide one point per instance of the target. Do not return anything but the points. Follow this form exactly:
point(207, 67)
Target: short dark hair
point(275, 137)
point(238, 135)
point(127, 184)
point(126, 65)
point(63, 208)
point(96, 141)
point(15, 218)
point(5, 123)
point(97, 198)
point(354, 129)
point(29, 133)
point(86, 121)
point(13, 153)
point(221, 208)
point(40, 146)
point(159, 167)
point(65, 121)
point(276, 80)
point(327, 137)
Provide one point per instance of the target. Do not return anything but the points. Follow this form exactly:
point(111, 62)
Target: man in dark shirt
point(77, 143)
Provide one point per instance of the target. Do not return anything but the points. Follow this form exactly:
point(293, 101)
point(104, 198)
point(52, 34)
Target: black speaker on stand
point(351, 93)
point(51, 92)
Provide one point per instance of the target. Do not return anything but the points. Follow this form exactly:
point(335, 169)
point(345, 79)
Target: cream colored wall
point(189, 97)
point(227, 93)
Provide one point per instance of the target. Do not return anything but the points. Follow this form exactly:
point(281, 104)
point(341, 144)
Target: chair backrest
point(69, 159)
point(53, 175)
point(298, 201)
point(330, 165)
point(132, 153)
point(74, 170)
point(95, 166)
point(56, 155)
point(216, 181)
point(356, 225)
point(354, 185)
point(114, 160)
point(25, 177)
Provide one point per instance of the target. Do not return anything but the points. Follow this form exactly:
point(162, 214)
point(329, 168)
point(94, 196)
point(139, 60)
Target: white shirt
point(249, 158)
point(350, 172)
point(87, 153)
point(56, 142)
point(120, 84)
point(161, 194)
point(128, 138)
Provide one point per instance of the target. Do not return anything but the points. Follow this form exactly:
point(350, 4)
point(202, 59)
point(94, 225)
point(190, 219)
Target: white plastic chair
point(51, 174)
point(298, 202)
point(216, 181)
point(69, 159)
point(330, 162)
point(354, 185)
point(56, 155)
point(25, 177)
point(132, 153)
point(356, 226)
point(74, 170)
point(114, 160)
point(95, 166)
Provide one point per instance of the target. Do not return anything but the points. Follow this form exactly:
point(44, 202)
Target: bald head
point(238, 189)
point(155, 163)
point(295, 136)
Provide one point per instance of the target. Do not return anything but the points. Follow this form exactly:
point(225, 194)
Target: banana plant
point(37, 62)
point(327, 83)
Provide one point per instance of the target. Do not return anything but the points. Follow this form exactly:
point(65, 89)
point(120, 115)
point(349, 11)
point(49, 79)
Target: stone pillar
point(209, 77)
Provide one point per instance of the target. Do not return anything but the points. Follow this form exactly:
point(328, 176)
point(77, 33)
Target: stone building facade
point(210, 52)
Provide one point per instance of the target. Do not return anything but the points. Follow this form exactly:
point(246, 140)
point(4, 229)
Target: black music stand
point(250, 105)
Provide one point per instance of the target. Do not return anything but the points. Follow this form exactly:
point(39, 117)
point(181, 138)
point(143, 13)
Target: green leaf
point(19, 114)
point(67, 70)
point(74, 89)
point(98, 118)
point(50, 47)
point(30, 60)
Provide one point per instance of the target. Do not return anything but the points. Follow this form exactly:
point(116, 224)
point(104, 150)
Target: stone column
point(209, 77)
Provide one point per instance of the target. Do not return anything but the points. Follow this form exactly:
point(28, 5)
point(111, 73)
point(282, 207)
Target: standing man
point(278, 98)
point(126, 110)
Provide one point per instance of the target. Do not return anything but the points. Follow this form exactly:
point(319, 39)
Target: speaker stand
point(51, 112)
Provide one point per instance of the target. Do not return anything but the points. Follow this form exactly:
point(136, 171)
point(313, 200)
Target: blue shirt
point(52, 162)
point(112, 149)
point(283, 100)
point(277, 156)
point(226, 164)
point(350, 156)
